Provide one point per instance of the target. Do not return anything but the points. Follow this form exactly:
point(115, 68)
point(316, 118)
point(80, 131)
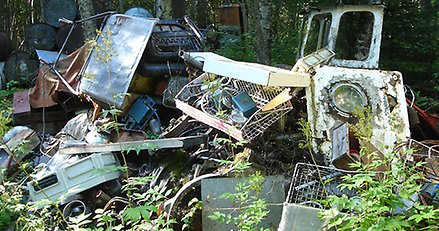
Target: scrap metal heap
point(143, 100)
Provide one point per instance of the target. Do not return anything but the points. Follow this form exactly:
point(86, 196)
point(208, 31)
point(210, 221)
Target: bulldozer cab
point(353, 32)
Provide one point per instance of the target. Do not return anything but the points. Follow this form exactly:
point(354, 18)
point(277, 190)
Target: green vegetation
point(194, 205)
point(385, 199)
point(6, 106)
point(250, 208)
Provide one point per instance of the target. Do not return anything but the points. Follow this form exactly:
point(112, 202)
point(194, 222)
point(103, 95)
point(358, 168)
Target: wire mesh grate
point(311, 183)
point(425, 149)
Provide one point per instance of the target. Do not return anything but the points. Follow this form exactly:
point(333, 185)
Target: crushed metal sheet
point(272, 192)
point(47, 83)
point(73, 177)
point(301, 218)
point(21, 102)
point(49, 56)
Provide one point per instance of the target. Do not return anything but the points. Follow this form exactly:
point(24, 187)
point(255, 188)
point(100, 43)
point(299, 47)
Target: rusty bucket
point(53, 10)
point(40, 36)
point(76, 39)
point(21, 68)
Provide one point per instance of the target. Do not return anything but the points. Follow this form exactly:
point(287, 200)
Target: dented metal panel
point(111, 64)
point(384, 95)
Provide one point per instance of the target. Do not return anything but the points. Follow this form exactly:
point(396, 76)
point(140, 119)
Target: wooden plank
point(135, 145)
point(209, 120)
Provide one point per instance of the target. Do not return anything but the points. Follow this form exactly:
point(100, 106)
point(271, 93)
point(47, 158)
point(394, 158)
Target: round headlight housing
point(347, 98)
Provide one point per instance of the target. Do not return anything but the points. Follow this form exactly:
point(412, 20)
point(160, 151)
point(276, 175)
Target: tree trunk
point(163, 9)
point(178, 8)
point(202, 13)
point(86, 10)
point(260, 24)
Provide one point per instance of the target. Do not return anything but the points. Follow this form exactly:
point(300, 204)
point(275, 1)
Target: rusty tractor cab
point(351, 82)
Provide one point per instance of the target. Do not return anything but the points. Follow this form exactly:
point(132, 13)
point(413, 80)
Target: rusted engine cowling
point(167, 39)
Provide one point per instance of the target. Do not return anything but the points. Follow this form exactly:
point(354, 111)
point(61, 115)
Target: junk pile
point(143, 100)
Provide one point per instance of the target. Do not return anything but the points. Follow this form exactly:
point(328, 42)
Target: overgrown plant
point(237, 47)
point(194, 206)
point(305, 128)
point(40, 215)
point(363, 126)
point(250, 208)
point(10, 199)
point(230, 144)
point(387, 200)
point(144, 213)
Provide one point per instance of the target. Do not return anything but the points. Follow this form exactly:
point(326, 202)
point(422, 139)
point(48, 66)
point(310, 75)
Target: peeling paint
point(390, 119)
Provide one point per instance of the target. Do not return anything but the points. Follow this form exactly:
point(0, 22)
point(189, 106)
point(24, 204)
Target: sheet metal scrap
point(250, 72)
point(19, 141)
point(111, 64)
point(73, 176)
point(48, 83)
point(156, 144)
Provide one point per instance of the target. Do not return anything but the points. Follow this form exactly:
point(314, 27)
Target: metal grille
point(171, 36)
point(424, 150)
point(257, 123)
point(312, 183)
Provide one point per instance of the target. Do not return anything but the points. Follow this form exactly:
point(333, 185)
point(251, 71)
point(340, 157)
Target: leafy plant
point(385, 198)
point(305, 128)
point(363, 127)
point(237, 47)
point(40, 215)
point(5, 119)
point(9, 205)
point(194, 206)
point(250, 208)
point(144, 212)
point(103, 49)
point(233, 145)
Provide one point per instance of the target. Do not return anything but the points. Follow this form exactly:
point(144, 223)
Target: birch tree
point(86, 10)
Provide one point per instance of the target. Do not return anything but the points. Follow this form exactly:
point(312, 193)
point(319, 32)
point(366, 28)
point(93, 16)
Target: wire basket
point(311, 183)
point(426, 152)
point(425, 149)
point(198, 101)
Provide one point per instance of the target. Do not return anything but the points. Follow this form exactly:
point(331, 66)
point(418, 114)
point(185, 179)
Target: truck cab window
point(318, 33)
point(354, 36)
